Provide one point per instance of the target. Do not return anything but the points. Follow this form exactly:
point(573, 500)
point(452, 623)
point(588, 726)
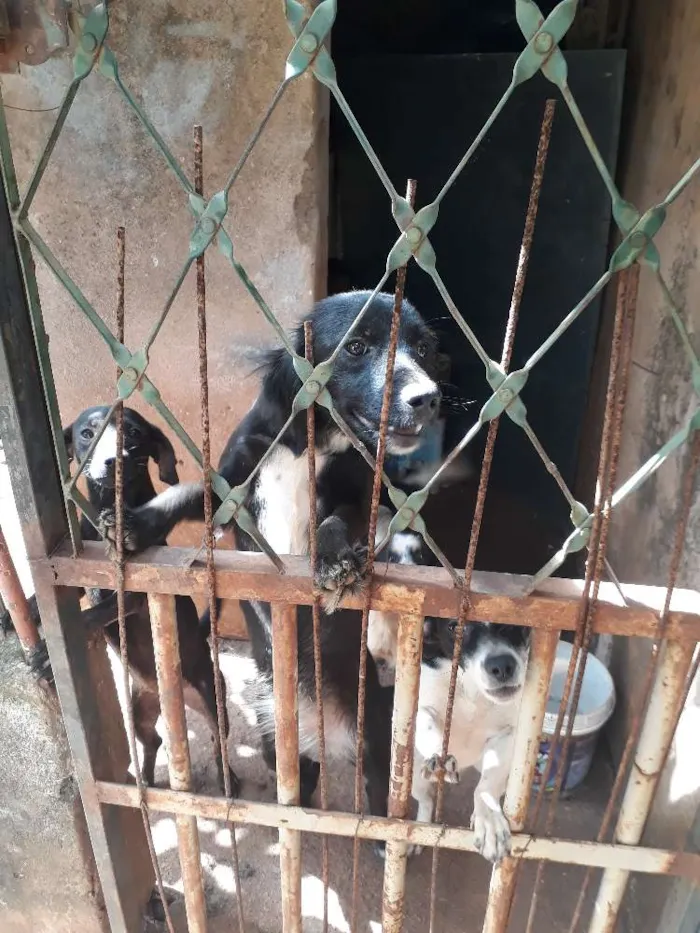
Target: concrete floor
point(463, 878)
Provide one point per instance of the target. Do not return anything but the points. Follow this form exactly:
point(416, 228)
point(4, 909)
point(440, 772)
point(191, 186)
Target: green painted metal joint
point(310, 38)
point(543, 36)
point(94, 31)
point(638, 244)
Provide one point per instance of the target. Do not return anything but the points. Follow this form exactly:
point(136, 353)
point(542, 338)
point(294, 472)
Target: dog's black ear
point(68, 441)
point(164, 455)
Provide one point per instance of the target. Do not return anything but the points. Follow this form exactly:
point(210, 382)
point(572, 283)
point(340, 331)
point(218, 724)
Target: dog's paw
point(40, 665)
point(491, 833)
point(6, 625)
point(431, 769)
point(343, 573)
point(133, 538)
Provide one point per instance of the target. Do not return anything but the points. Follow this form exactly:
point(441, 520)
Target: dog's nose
point(501, 667)
point(422, 400)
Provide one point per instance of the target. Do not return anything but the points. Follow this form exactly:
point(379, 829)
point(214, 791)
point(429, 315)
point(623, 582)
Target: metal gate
point(47, 496)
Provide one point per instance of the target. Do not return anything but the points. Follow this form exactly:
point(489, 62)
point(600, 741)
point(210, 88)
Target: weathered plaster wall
point(217, 64)
point(661, 141)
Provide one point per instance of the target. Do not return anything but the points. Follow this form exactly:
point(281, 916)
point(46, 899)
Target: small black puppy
point(279, 503)
point(142, 441)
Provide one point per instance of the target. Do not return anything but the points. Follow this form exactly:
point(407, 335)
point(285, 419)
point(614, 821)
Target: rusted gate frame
point(169, 570)
point(410, 593)
point(398, 590)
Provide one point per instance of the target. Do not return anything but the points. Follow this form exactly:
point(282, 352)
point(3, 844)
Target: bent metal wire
point(309, 54)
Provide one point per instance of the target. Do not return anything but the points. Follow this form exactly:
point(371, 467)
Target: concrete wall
point(662, 139)
point(48, 882)
point(217, 64)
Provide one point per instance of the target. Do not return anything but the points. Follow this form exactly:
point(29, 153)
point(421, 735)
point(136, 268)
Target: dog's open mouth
point(397, 438)
point(503, 694)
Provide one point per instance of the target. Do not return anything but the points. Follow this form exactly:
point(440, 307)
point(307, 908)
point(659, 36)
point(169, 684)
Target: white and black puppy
point(490, 679)
point(142, 441)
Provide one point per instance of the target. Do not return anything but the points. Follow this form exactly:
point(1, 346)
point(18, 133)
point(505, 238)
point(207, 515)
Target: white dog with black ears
point(490, 679)
point(489, 686)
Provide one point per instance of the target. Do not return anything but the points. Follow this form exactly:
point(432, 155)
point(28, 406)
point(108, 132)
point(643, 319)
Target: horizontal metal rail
point(457, 838)
point(495, 597)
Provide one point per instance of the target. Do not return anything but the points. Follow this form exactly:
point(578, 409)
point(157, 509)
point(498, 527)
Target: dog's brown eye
point(87, 433)
point(356, 347)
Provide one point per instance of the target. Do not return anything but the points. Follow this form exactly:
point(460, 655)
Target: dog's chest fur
point(282, 500)
point(475, 719)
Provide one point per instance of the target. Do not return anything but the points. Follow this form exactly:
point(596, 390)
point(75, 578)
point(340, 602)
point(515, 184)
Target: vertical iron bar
point(408, 657)
point(654, 744)
point(543, 652)
point(607, 473)
point(316, 617)
point(84, 681)
point(209, 523)
point(475, 532)
point(172, 705)
point(119, 559)
point(643, 734)
point(15, 601)
point(285, 684)
point(371, 544)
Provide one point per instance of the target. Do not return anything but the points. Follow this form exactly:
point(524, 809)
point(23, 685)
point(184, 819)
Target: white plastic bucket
point(596, 704)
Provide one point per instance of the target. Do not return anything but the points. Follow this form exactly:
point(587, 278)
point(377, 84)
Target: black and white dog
point(490, 679)
point(279, 503)
point(487, 703)
point(142, 441)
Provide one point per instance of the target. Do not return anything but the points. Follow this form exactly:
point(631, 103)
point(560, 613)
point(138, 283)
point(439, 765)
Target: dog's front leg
point(491, 829)
point(426, 766)
point(341, 562)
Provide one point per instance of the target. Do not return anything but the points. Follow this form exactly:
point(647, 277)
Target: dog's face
point(494, 656)
point(141, 441)
point(359, 374)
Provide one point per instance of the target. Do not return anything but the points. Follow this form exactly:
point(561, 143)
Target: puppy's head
point(359, 373)
point(494, 657)
point(142, 440)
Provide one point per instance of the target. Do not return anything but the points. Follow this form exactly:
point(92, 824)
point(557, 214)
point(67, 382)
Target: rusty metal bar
point(209, 523)
point(607, 472)
point(316, 621)
point(119, 560)
point(172, 704)
point(15, 601)
point(652, 667)
point(453, 838)
point(543, 652)
point(285, 676)
point(495, 597)
point(371, 546)
point(664, 708)
point(408, 657)
point(654, 743)
point(475, 531)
